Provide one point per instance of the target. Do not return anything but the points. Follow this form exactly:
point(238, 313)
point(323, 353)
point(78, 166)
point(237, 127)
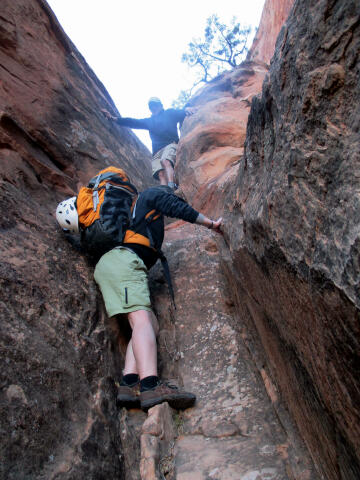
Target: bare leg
point(143, 342)
point(163, 177)
point(130, 362)
point(169, 169)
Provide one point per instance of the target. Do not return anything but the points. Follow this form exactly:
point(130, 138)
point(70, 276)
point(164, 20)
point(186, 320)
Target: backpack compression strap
point(95, 182)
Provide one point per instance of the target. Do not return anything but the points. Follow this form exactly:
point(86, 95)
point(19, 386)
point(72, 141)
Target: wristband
point(211, 226)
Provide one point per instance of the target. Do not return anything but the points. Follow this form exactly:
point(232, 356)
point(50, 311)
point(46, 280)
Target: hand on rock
point(190, 111)
point(108, 115)
point(216, 225)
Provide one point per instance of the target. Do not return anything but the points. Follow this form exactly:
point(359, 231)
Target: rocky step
point(237, 428)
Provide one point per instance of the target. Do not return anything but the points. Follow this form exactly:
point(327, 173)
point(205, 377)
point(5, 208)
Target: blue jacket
point(162, 126)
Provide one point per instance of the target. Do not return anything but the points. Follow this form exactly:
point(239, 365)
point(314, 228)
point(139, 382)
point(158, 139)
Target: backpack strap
point(94, 186)
point(95, 182)
point(167, 274)
point(149, 217)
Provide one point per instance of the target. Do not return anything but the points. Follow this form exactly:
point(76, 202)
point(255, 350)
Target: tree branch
point(210, 55)
point(228, 43)
point(222, 45)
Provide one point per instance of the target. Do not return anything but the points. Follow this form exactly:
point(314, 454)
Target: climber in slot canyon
point(122, 276)
point(163, 130)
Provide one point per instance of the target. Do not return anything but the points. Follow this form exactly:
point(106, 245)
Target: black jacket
point(164, 202)
point(162, 126)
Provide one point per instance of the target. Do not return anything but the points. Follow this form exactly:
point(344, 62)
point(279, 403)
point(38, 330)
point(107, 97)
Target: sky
point(135, 47)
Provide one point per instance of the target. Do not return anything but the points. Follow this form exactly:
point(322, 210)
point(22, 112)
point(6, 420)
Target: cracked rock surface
point(267, 322)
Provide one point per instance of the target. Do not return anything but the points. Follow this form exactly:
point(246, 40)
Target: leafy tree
point(223, 47)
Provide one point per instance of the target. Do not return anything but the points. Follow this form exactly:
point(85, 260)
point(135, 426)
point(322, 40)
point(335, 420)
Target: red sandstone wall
point(273, 17)
point(291, 218)
point(57, 410)
point(288, 312)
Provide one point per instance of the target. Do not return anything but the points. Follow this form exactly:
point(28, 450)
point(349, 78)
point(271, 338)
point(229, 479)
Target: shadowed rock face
point(299, 203)
point(298, 194)
point(57, 410)
point(291, 222)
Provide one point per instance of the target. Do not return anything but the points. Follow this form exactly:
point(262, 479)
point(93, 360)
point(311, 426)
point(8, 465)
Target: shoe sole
point(176, 403)
point(127, 402)
point(151, 403)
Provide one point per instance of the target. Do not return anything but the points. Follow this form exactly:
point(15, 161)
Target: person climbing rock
point(163, 130)
point(122, 276)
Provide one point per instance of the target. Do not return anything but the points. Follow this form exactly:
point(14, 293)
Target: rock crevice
point(267, 325)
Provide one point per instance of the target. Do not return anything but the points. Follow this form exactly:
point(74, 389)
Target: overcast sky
point(135, 47)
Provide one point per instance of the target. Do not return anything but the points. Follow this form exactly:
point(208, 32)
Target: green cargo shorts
point(123, 280)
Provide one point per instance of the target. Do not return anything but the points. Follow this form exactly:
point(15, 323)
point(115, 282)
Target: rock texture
point(212, 142)
point(266, 327)
point(292, 224)
point(51, 101)
point(57, 411)
point(157, 444)
point(273, 17)
point(298, 194)
point(233, 432)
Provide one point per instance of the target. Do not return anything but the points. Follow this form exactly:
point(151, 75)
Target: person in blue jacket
point(163, 130)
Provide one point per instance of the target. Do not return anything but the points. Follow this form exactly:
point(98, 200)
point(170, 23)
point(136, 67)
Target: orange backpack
point(104, 208)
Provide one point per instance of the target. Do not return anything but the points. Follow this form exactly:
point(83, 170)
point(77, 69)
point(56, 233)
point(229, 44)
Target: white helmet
point(67, 216)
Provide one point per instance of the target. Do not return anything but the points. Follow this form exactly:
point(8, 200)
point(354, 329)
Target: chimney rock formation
point(266, 330)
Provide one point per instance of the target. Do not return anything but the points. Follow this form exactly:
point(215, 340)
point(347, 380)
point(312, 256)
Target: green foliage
point(223, 47)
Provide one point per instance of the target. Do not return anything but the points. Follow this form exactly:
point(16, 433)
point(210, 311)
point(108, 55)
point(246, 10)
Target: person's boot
point(166, 392)
point(128, 396)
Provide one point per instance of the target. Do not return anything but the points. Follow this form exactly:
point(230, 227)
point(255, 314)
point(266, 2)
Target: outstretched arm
point(207, 222)
point(137, 123)
point(173, 206)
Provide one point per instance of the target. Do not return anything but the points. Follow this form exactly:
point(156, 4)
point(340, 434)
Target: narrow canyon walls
point(58, 417)
point(291, 208)
point(266, 332)
point(298, 199)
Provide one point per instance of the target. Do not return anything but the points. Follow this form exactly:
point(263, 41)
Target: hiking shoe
point(128, 396)
point(166, 392)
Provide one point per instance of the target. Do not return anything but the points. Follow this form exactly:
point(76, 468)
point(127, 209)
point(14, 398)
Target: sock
point(130, 379)
point(148, 383)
